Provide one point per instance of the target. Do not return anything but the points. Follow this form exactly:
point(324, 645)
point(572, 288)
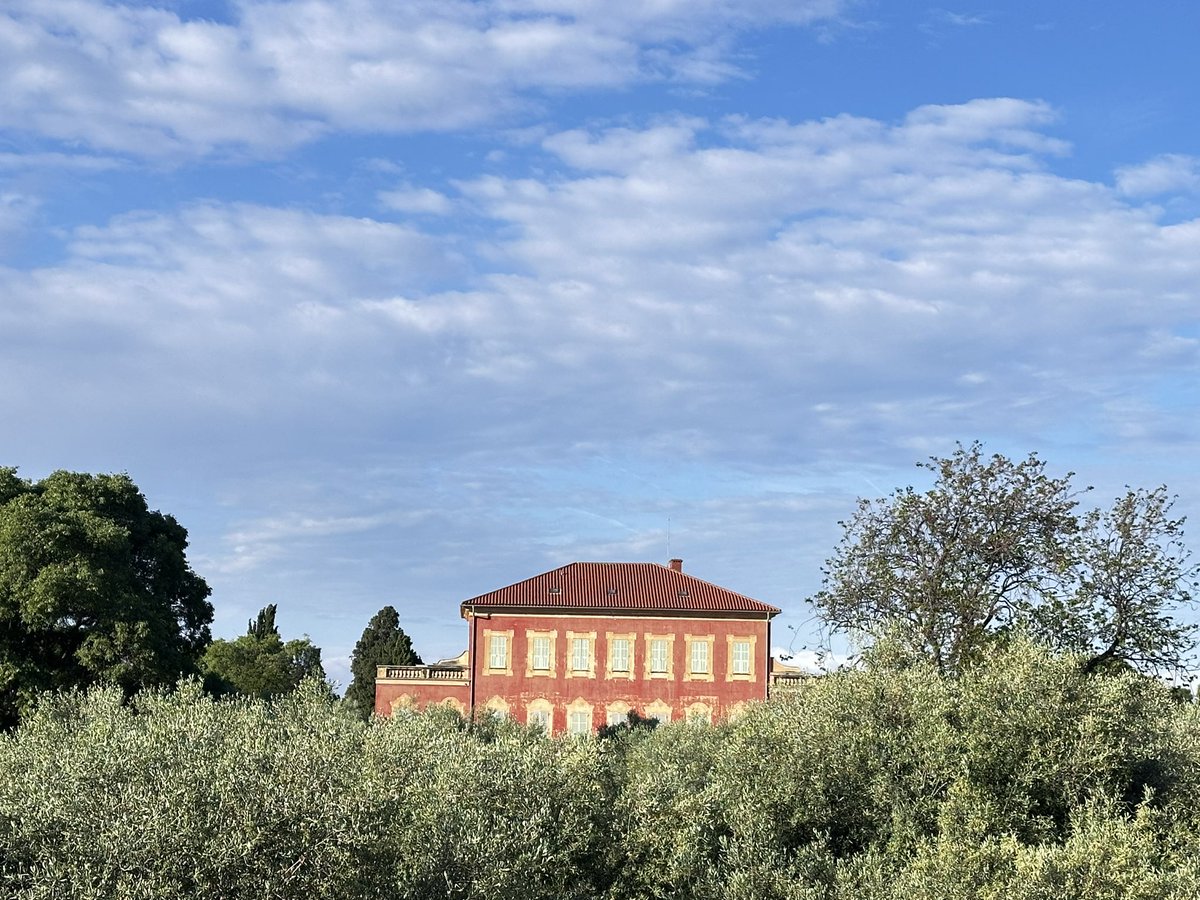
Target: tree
point(1132, 572)
point(260, 663)
point(996, 545)
point(383, 643)
point(94, 587)
point(263, 625)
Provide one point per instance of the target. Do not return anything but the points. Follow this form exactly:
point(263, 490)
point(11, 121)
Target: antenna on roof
point(668, 537)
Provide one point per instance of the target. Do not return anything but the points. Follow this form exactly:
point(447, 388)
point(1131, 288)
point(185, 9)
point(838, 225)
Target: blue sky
point(398, 303)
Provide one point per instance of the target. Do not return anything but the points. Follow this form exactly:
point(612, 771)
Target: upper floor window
point(740, 666)
point(741, 657)
point(498, 651)
point(579, 722)
point(580, 651)
point(659, 656)
point(581, 654)
point(620, 655)
point(540, 654)
point(699, 657)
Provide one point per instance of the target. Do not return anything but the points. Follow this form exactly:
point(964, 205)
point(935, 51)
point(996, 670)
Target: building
point(582, 645)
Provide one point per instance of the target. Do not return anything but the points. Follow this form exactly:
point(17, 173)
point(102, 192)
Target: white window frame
point(749, 642)
point(497, 647)
point(588, 670)
point(540, 653)
point(699, 649)
point(668, 646)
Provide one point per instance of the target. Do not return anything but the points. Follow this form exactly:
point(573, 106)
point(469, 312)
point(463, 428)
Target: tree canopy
point(260, 663)
point(383, 643)
point(997, 545)
point(94, 587)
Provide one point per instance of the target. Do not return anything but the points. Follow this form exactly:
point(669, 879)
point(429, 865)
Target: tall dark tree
point(94, 587)
point(263, 625)
point(997, 544)
point(383, 643)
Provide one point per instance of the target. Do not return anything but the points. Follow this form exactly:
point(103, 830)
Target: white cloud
point(1166, 174)
point(409, 199)
point(146, 81)
point(813, 287)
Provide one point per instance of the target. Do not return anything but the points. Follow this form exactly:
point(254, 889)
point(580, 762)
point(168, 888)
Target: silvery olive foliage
point(1021, 777)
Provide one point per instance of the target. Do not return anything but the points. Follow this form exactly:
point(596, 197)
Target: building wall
point(392, 694)
point(516, 686)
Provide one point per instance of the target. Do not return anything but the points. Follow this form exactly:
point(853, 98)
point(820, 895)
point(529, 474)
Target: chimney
point(676, 565)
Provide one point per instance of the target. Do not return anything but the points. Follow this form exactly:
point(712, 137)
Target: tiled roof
point(646, 587)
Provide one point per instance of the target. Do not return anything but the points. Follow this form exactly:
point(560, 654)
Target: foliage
point(94, 587)
point(259, 663)
point(1132, 570)
point(1020, 777)
point(997, 546)
point(383, 643)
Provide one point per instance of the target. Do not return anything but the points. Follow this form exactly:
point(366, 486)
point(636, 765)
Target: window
point(741, 657)
point(579, 717)
point(581, 659)
point(699, 657)
point(659, 710)
point(617, 713)
point(658, 655)
point(540, 714)
point(620, 655)
point(541, 654)
point(581, 654)
point(498, 652)
point(699, 714)
point(498, 707)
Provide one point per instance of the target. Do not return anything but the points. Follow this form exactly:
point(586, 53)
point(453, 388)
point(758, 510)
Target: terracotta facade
point(578, 647)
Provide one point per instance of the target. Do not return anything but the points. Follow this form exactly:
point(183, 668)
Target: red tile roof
point(645, 587)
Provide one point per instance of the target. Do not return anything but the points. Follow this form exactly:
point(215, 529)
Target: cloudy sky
point(397, 303)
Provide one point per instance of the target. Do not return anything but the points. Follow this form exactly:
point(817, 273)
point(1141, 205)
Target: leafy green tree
point(260, 663)
point(1133, 571)
point(944, 568)
point(996, 546)
point(94, 587)
point(383, 643)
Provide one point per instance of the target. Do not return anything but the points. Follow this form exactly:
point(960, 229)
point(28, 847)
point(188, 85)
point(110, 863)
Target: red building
point(582, 645)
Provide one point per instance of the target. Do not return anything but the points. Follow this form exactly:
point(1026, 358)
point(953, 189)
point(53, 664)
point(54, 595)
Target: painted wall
point(391, 694)
point(517, 685)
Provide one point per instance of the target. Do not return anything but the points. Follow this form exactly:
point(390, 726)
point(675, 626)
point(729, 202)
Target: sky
point(398, 303)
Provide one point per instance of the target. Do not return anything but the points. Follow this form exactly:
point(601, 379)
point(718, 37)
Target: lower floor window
point(579, 722)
